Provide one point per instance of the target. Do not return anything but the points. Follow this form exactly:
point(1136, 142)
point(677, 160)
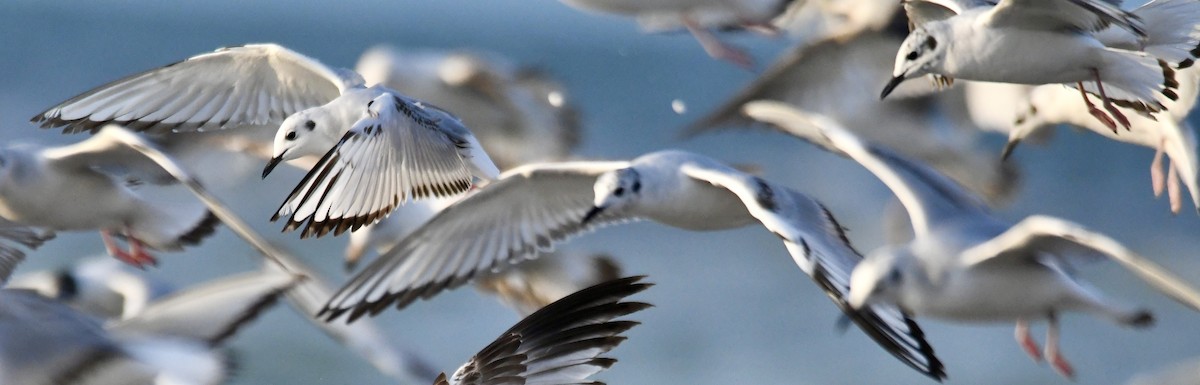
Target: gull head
point(879, 277)
point(299, 136)
point(615, 190)
point(918, 55)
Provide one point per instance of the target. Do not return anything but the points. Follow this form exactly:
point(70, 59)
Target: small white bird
point(532, 207)
point(1054, 41)
point(698, 16)
point(1167, 132)
point(965, 264)
point(314, 107)
point(173, 341)
point(74, 187)
point(560, 344)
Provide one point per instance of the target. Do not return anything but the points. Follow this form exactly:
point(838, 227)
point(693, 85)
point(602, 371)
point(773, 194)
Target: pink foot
point(1026, 341)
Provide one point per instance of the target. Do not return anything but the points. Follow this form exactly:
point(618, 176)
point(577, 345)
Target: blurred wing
point(1060, 15)
point(1038, 235)
point(12, 236)
point(928, 196)
point(536, 283)
point(257, 84)
point(819, 246)
point(528, 210)
point(923, 11)
point(213, 311)
point(400, 154)
point(561, 343)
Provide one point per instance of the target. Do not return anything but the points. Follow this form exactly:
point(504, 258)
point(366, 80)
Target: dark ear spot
point(637, 186)
point(894, 276)
point(310, 125)
point(930, 42)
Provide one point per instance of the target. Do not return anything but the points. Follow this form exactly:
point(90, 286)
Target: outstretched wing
point(923, 11)
point(1037, 236)
point(528, 210)
point(254, 84)
point(928, 196)
point(559, 344)
point(819, 246)
point(1058, 15)
point(12, 236)
point(399, 153)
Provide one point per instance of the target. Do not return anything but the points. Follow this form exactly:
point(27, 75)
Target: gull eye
point(619, 191)
point(291, 135)
point(894, 276)
point(911, 56)
point(310, 125)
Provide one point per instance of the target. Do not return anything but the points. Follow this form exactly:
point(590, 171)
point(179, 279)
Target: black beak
point(591, 214)
point(1008, 149)
point(271, 164)
point(891, 85)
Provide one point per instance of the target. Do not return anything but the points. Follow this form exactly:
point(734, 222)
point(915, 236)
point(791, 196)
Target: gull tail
point(1136, 80)
point(1171, 30)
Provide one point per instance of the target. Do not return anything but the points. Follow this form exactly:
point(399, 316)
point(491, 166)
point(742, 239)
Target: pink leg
point(1096, 112)
point(130, 258)
point(1108, 103)
point(716, 48)
point(1053, 354)
point(1026, 341)
point(137, 251)
point(1156, 173)
point(1173, 193)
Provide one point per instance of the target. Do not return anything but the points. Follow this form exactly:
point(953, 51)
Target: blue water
point(731, 306)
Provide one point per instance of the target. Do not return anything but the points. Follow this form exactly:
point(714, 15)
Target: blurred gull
point(967, 265)
point(834, 77)
point(101, 287)
point(532, 207)
point(559, 344)
point(78, 187)
point(1167, 132)
point(419, 150)
point(172, 342)
point(12, 237)
point(697, 16)
point(1039, 42)
point(809, 21)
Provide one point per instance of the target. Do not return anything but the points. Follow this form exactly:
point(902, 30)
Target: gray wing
point(928, 196)
point(528, 210)
point(1042, 237)
point(1063, 15)
point(819, 246)
point(12, 237)
point(923, 11)
point(44, 342)
point(401, 152)
point(213, 311)
point(559, 344)
point(255, 84)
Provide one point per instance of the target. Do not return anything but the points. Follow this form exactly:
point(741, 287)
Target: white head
point(919, 54)
point(299, 136)
point(615, 190)
point(880, 277)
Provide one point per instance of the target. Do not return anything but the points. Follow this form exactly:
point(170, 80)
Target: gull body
point(965, 264)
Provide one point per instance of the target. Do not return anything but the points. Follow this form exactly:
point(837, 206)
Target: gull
point(559, 344)
point(1054, 41)
point(1167, 133)
point(532, 207)
point(72, 187)
point(173, 341)
point(966, 265)
point(697, 16)
point(102, 287)
point(520, 114)
point(810, 21)
point(314, 107)
point(833, 76)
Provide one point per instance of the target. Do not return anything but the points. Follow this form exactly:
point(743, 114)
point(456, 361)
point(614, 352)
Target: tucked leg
point(1026, 341)
point(1096, 112)
point(1173, 192)
point(1112, 109)
point(131, 257)
point(1156, 172)
point(1053, 354)
point(137, 251)
point(715, 48)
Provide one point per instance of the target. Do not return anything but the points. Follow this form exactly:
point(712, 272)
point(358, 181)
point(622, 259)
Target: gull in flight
point(81, 187)
point(319, 111)
point(559, 344)
point(1127, 58)
point(965, 264)
point(533, 207)
point(172, 341)
point(1167, 132)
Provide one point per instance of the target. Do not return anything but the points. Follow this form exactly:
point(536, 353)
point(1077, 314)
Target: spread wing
point(923, 11)
point(819, 246)
point(528, 210)
point(12, 237)
point(400, 152)
point(1059, 15)
point(255, 84)
point(928, 196)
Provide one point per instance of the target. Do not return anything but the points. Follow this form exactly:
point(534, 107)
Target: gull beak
point(891, 85)
point(591, 214)
point(271, 164)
